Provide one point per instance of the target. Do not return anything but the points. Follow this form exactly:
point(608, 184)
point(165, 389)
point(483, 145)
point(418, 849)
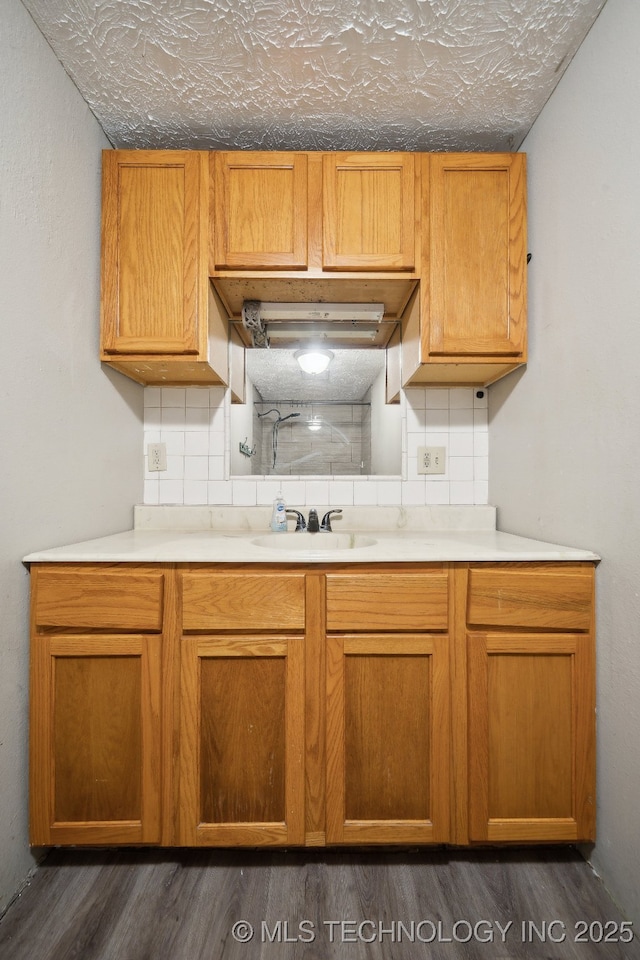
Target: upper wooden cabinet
point(313, 212)
point(469, 324)
point(259, 211)
point(161, 323)
point(440, 239)
point(368, 211)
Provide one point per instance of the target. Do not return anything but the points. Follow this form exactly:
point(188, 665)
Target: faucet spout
point(313, 524)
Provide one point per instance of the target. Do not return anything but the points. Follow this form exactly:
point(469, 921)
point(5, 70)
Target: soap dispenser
point(279, 515)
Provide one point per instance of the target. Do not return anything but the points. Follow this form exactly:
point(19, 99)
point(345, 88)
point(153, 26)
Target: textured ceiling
point(315, 74)
point(277, 375)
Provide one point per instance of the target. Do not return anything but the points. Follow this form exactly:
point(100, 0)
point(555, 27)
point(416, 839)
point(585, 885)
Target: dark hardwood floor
point(318, 905)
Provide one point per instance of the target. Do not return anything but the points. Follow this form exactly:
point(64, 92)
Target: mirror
point(331, 424)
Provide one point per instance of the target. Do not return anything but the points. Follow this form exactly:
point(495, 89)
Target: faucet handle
point(300, 521)
point(326, 520)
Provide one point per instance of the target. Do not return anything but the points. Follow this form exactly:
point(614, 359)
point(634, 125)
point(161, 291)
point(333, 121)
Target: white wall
point(565, 435)
point(71, 434)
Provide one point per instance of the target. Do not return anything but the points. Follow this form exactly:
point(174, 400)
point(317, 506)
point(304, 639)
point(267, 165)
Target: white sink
point(314, 542)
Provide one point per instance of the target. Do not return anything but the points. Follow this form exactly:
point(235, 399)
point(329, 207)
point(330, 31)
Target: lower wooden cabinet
point(387, 739)
point(95, 735)
point(237, 705)
point(242, 741)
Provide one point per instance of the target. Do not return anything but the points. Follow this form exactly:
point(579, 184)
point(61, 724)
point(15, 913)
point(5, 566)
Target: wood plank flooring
point(385, 905)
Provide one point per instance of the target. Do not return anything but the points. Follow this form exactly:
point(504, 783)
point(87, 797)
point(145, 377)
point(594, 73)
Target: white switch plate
point(156, 457)
point(432, 460)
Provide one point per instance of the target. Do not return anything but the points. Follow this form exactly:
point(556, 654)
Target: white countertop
point(398, 535)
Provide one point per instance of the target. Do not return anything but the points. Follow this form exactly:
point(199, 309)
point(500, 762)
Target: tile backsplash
point(193, 422)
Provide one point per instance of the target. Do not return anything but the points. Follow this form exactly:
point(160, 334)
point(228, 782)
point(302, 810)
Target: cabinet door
point(532, 737)
point(474, 301)
point(259, 211)
point(95, 739)
point(154, 256)
point(369, 213)
point(242, 741)
point(387, 739)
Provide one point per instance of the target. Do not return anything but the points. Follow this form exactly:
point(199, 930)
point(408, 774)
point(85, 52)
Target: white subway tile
point(195, 491)
point(216, 469)
point(460, 469)
point(197, 397)
point(481, 420)
point(480, 492)
point(365, 494)
point(436, 493)
point(173, 418)
point(341, 493)
point(151, 490)
point(152, 397)
point(196, 444)
point(317, 491)
point(219, 492)
point(436, 398)
point(197, 468)
point(244, 493)
point(171, 491)
point(197, 418)
point(175, 468)
point(389, 492)
point(173, 397)
point(460, 397)
point(436, 420)
point(481, 468)
point(174, 441)
point(461, 445)
point(414, 492)
point(461, 492)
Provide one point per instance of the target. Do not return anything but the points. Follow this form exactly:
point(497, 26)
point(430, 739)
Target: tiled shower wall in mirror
point(194, 423)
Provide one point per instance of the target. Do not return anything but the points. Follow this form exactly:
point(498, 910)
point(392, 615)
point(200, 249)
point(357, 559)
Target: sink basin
point(314, 542)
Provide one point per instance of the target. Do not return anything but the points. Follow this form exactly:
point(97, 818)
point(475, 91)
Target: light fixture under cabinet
point(314, 361)
point(355, 312)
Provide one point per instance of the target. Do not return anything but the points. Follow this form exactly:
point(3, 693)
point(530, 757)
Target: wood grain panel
point(97, 742)
point(368, 211)
point(95, 739)
point(531, 745)
point(242, 740)
point(259, 208)
point(153, 254)
point(387, 739)
point(476, 300)
point(387, 600)
point(214, 601)
point(556, 597)
point(90, 598)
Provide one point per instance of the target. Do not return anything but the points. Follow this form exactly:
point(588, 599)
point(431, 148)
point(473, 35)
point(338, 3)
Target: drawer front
point(387, 601)
point(557, 597)
point(242, 601)
point(128, 600)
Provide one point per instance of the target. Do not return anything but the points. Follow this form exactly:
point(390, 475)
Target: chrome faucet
point(313, 525)
point(300, 521)
point(326, 520)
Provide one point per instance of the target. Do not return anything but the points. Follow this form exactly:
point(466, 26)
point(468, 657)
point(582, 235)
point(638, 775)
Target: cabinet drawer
point(388, 601)
point(557, 597)
point(242, 601)
point(128, 600)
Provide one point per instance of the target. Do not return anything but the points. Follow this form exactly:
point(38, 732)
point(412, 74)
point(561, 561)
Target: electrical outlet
point(432, 460)
point(156, 456)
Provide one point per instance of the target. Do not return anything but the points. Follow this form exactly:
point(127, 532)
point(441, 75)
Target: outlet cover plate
point(432, 460)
